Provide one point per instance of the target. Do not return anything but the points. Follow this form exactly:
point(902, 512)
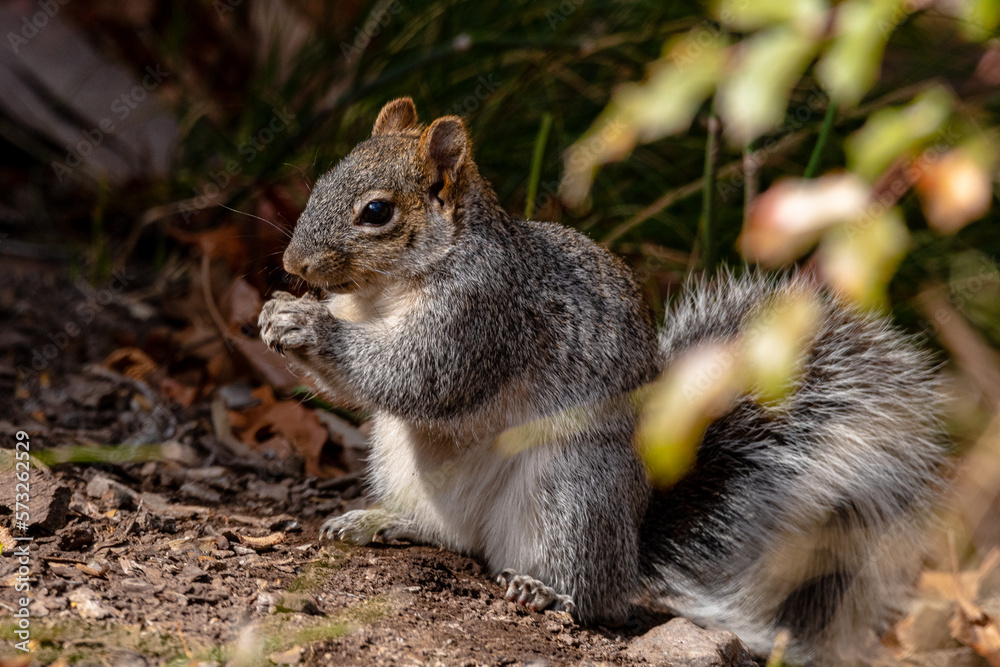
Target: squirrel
point(454, 321)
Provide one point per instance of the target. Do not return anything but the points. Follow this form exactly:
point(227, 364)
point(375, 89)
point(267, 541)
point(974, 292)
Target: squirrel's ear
point(395, 116)
point(446, 145)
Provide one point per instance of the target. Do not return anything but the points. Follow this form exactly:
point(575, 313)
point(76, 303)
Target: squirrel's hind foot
point(532, 593)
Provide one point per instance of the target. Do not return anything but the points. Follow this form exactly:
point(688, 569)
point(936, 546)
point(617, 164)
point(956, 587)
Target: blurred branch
point(976, 359)
point(707, 223)
point(761, 158)
point(751, 179)
point(824, 134)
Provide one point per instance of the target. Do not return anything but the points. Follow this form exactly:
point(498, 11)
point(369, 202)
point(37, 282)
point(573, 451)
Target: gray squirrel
point(454, 321)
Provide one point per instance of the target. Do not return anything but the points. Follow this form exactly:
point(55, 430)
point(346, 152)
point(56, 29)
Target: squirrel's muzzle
point(317, 268)
point(296, 262)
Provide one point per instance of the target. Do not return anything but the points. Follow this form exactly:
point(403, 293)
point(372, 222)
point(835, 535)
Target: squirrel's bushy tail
point(809, 515)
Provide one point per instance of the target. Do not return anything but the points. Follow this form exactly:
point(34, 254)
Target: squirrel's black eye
point(376, 213)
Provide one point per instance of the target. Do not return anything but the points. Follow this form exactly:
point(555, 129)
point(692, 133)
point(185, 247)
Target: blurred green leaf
point(893, 133)
point(858, 259)
point(665, 103)
point(980, 18)
point(753, 98)
point(806, 16)
point(697, 388)
point(851, 66)
point(776, 342)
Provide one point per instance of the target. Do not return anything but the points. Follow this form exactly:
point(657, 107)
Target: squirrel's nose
point(294, 263)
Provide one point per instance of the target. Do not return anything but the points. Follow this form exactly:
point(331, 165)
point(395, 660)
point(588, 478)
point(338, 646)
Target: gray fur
point(464, 321)
point(808, 515)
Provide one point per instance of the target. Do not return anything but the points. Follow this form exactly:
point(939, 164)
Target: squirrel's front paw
point(357, 527)
point(532, 593)
point(287, 323)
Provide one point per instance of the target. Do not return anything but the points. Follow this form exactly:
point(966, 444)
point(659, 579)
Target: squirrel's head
point(387, 211)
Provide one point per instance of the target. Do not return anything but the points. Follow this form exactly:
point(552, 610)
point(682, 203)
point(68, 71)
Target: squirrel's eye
point(376, 213)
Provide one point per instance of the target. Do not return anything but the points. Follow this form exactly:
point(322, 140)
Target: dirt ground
point(161, 538)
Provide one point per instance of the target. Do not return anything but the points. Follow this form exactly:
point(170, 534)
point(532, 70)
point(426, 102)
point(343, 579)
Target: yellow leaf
point(788, 218)
point(698, 388)
point(955, 190)
point(753, 98)
point(665, 103)
point(805, 15)
point(851, 65)
point(893, 133)
point(776, 342)
point(859, 258)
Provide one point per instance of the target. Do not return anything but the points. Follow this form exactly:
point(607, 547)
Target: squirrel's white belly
point(468, 496)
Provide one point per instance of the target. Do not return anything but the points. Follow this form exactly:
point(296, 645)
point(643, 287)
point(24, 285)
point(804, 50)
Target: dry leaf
point(955, 190)
point(974, 627)
point(7, 541)
point(131, 362)
point(242, 303)
point(286, 428)
point(792, 214)
point(178, 393)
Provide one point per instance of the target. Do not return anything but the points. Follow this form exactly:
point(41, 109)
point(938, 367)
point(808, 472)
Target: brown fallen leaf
point(286, 428)
point(178, 393)
point(241, 304)
point(131, 362)
point(960, 586)
point(974, 627)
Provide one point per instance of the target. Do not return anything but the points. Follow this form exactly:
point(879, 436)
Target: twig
point(213, 310)
point(180, 635)
point(707, 222)
point(751, 179)
point(824, 134)
point(967, 348)
point(149, 217)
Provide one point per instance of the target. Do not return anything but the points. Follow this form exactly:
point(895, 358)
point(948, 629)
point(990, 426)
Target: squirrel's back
point(808, 515)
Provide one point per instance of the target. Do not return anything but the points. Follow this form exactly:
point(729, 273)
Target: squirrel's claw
point(532, 593)
point(355, 527)
point(287, 323)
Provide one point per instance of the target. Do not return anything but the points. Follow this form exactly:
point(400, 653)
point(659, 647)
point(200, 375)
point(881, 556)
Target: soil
point(163, 546)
